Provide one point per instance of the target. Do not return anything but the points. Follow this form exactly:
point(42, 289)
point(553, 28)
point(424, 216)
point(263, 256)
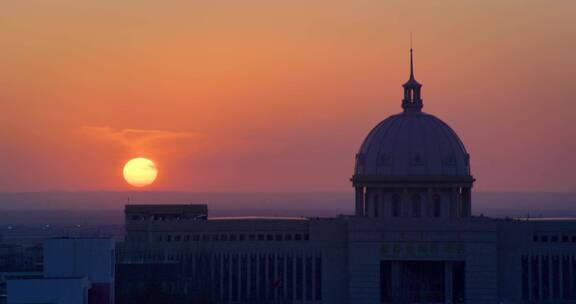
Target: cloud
point(147, 140)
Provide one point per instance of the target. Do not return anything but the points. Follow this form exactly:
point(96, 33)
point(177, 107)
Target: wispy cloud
point(144, 140)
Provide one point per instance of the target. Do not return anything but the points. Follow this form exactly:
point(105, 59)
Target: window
point(298, 237)
point(269, 237)
point(177, 238)
point(232, 237)
point(437, 206)
point(376, 203)
point(396, 208)
point(260, 237)
point(306, 237)
point(416, 206)
point(564, 239)
point(288, 237)
point(544, 239)
point(318, 279)
point(554, 238)
point(278, 237)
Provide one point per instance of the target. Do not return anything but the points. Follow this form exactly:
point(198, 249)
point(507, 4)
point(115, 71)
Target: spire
point(411, 59)
point(411, 63)
point(412, 100)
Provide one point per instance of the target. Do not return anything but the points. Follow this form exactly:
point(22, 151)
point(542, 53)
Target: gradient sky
point(278, 95)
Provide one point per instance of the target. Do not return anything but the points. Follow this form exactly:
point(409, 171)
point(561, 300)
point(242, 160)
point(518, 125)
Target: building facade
point(75, 270)
point(412, 239)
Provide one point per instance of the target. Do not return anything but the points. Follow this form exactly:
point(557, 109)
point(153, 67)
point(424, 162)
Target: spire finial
point(412, 100)
point(411, 59)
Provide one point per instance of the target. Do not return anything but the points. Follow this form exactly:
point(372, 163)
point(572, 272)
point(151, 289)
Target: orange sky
point(277, 95)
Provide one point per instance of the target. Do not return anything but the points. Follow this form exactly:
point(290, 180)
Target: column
point(467, 198)
point(405, 204)
point(359, 201)
point(429, 210)
point(369, 202)
point(383, 210)
point(455, 208)
point(448, 282)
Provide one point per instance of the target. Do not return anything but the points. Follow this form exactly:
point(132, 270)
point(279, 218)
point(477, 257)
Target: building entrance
point(422, 282)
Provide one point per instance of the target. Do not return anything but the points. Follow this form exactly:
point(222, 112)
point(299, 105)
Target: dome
point(412, 143)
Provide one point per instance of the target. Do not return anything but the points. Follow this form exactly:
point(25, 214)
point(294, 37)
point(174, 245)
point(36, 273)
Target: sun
point(140, 172)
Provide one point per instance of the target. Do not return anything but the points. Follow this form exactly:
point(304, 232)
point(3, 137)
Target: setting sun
point(140, 172)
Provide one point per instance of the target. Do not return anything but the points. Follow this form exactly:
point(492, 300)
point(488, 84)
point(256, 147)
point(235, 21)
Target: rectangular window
point(253, 273)
point(244, 278)
point(545, 278)
point(555, 277)
point(396, 208)
point(534, 285)
point(262, 278)
point(308, 272)
point(318, 279)
point(235, 277)
point(271, 277)
point(226, 279)
point(566, 294)
point(299, 278)
point(217, 276)
point(279, 281)
point(289, 278)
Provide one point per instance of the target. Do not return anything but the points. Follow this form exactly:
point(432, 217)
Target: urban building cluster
point(412, 239)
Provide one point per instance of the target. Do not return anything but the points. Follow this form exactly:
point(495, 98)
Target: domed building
point(413, 237)
point(412, 164)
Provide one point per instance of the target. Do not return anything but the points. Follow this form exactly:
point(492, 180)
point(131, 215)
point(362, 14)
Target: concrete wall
point(56, 291)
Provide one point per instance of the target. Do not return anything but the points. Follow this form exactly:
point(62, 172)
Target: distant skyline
point(278, 96)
